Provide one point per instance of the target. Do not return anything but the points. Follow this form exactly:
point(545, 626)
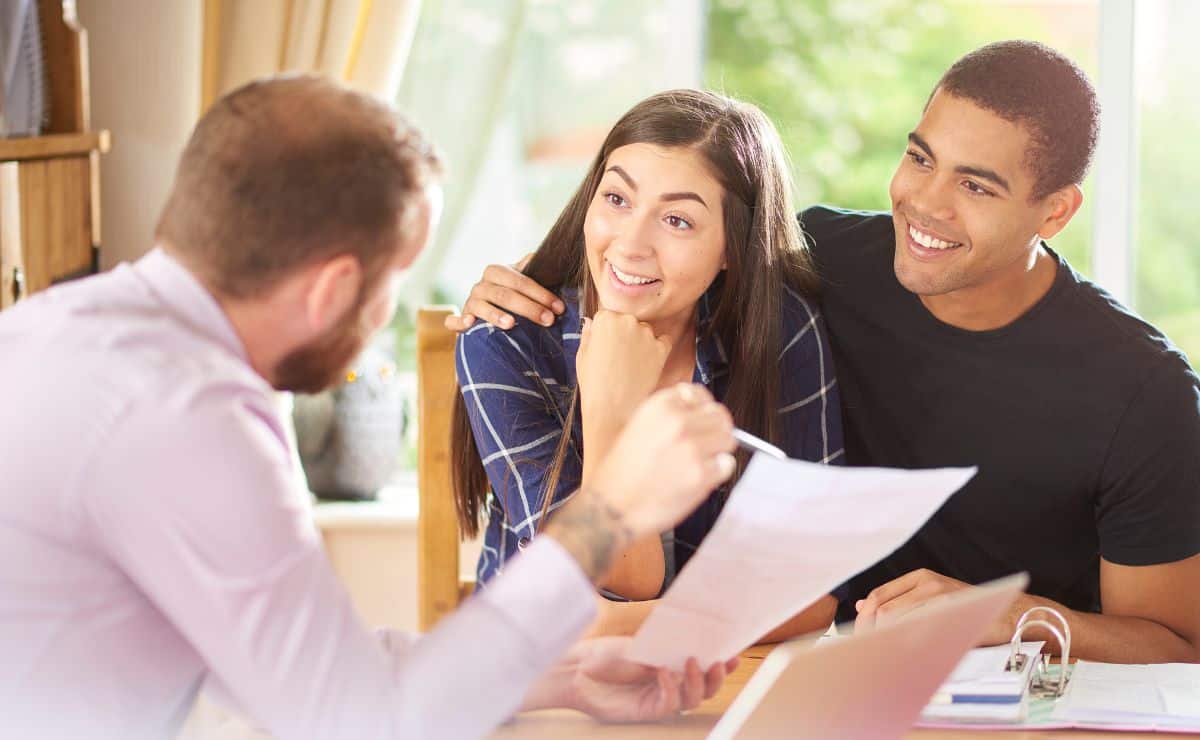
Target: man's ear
point(333, 291)
point(1063, 205)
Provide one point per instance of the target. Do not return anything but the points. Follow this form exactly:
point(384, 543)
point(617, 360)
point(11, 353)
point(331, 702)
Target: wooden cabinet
point(48, 229)
point(49, 185)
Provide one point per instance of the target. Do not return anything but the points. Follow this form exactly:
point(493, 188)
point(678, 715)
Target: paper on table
point(1181, 701)
point(790, 532)
point(1165, 695)
point(983, 670)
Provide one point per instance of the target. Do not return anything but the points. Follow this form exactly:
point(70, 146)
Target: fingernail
point(547, 318)
point(506, 322)
point(559, 306)
point(858, 605)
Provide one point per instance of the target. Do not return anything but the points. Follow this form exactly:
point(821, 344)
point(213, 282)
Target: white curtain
point(457, 88)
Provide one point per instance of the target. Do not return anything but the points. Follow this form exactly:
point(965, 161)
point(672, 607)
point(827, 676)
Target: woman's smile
point(631, 283)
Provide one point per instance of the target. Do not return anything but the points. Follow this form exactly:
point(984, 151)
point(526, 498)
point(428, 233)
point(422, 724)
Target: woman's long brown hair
point(765, 255)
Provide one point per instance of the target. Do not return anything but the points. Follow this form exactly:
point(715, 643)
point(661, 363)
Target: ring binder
point(1041, 685)
point(1102, 696)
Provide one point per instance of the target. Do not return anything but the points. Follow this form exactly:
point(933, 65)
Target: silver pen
point(754, 444)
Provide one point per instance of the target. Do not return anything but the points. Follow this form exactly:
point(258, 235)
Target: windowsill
point(396, 507)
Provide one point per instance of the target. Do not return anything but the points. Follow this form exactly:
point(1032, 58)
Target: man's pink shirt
point(152, 537)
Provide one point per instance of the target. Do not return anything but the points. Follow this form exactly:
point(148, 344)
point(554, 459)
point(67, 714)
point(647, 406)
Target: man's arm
point(1151, 613)
point(674, 449)
point(619, 364)
point(595, 677)
point(197, 508)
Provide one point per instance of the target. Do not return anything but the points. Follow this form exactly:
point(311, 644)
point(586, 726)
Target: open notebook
point(868, 685)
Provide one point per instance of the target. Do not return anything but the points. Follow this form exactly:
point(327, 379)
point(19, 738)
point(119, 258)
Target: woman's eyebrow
point(624, 176)
point(683, 196)
point(665, 196)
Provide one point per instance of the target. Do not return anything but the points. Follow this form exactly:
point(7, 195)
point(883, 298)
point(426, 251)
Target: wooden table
point(560, 723)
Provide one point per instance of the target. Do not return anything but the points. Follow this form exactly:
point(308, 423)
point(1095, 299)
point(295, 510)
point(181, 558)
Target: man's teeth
point(929, 242)
point(628, 279)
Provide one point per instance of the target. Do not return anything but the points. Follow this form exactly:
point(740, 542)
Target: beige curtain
point(364, 43)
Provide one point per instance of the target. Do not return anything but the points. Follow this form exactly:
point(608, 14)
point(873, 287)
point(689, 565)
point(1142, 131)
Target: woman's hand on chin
point(618, 366)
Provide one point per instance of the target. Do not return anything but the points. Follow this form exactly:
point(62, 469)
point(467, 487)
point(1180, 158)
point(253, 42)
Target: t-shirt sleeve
point(515, 425)
point(1148, 508)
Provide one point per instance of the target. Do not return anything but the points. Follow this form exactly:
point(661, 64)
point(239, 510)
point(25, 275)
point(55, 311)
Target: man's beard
point(322, 362)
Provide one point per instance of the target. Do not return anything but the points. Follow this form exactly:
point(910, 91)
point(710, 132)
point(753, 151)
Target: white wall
point(145, 89)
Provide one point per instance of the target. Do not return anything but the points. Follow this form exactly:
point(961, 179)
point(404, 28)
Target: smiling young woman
point(678, 260)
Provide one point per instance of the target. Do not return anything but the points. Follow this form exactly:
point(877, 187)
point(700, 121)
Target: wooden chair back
point(438, 584)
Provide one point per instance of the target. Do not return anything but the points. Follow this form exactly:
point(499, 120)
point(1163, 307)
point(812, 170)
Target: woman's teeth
point(628, 279)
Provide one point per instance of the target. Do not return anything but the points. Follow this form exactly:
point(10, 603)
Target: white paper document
point(790, 533)
point(1162, 696)
point(984, 671)
point(982, 689)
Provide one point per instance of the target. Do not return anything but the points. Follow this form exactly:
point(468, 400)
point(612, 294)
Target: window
point(1166, 221)
point(846, 81)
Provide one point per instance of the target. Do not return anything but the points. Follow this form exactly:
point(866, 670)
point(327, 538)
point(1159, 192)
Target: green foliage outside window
point(846, 81)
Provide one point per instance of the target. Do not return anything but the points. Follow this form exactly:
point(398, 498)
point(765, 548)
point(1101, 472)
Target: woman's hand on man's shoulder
point(503, 291)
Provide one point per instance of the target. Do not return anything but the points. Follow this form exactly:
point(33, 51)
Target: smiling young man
point(961, 338)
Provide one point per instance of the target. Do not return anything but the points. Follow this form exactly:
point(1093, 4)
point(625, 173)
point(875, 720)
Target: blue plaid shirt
point(517, 386)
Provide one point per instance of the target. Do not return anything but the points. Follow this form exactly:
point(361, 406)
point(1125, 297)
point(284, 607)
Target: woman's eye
point(614, 199)
point(917, 159)
point(678, 223)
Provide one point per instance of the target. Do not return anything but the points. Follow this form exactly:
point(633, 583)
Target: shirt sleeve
point(1148, 507)
point(515, 424)
point(195, 501)
point(810, 407)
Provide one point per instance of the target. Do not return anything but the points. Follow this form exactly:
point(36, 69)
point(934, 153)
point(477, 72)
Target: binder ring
point(1064, 645)
point(1066, 627)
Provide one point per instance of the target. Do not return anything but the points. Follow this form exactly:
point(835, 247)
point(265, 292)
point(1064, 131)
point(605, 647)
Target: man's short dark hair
point(1036, 87)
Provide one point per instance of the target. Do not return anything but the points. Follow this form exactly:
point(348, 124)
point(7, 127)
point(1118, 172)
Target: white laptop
point(868, 685)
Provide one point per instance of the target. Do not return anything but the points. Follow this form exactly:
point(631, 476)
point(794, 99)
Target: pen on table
point(754, 444)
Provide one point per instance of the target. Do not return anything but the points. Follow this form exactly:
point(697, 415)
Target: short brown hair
point(288, 170)
point(1032, 85)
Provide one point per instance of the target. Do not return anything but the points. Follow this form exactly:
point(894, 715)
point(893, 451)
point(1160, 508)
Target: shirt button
point(522, 543)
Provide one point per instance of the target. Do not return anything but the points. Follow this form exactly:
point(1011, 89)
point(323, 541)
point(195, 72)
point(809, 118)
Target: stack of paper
point(981, 689)
point(1159, 697)
point(791, 532)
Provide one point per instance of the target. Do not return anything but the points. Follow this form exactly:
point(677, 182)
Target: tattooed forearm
point(593, 531)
